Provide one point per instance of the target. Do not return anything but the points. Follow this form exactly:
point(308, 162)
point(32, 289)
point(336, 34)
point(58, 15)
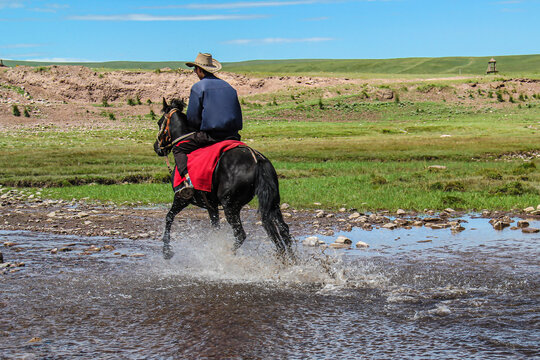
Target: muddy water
point(412, 294)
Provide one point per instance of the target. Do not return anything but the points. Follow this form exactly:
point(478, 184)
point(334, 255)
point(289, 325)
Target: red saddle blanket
point(202, 163)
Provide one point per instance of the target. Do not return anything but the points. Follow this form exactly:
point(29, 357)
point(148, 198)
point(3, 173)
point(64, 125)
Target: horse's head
point(172, 125)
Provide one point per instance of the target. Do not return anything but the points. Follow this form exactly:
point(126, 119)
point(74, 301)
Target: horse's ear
point(164, 103)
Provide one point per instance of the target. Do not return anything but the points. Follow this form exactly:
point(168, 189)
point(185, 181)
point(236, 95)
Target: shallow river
point(413, 294)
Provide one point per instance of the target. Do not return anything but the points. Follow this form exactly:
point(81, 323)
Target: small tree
point(26, 112)
point(15, 110)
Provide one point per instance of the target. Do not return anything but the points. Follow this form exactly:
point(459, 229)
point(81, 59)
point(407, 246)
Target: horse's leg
point(232, 214)
point(214, 217)
point(177, 206)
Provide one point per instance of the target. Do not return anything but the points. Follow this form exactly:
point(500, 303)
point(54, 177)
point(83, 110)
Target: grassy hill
point(515, 64)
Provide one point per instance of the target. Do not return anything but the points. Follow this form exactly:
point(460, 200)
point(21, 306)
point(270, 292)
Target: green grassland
point(514, 64)
point(340, 151)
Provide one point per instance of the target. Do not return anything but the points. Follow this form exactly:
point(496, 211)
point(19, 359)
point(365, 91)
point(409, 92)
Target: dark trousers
point(193, 142)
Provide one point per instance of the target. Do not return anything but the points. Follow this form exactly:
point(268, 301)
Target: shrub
point(149, 102)
point(500, 97)
point(452, 201)
point(511, 99)
point(378, 180)
point(524, 168)
point(521, 97)
point(152, 115)
point(104, 102)
point(396, 98)
point(111, 116)
point(15, 110)
point(454, 186)
point(26, 112)
point(131, 102)
point(138, 100)
point(321, 105)
point(491, 174)
point(513, 188)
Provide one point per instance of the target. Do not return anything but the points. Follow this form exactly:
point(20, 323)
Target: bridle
point(164, 137)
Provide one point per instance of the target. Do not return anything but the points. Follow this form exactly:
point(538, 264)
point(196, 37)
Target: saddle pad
point(202, 163)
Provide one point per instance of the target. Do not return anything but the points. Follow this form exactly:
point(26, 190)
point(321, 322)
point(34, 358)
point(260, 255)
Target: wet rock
point(362, 245)
point(1, 258)
point(108, 247)
point(450, 210)
point(401, 212)
point(339, 246)
point(354, 215)
point(529, 209)
point(51, 214)
point(439, 226)
point(522, 224)
point(312, 241)
point(320, 214)
point(347, 227)
point(457, 228)
point(418, 223)
point(35, 340)
point(367, 227)
point(287, 214)
point(402, 222)
point(343, 240)
point(54, 251)
point(285, 206)
point(499, 225)
point(65, 249)
point(530, 230)
point(486, 213)
point(137, 255)
point(10, 244)
point(535, 212)
point(390, 226)
point(431, 219)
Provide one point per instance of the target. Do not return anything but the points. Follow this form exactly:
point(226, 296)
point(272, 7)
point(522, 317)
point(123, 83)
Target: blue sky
point(237, 30)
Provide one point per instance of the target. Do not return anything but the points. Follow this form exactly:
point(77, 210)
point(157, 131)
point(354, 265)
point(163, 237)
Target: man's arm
point(194, 110)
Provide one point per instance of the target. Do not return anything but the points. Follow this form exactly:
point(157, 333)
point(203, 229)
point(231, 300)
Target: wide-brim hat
point(205, 61)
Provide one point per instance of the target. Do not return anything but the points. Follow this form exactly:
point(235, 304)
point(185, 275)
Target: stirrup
point(187, 191)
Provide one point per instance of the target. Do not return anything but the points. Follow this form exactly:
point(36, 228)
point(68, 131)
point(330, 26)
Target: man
point(213, 110)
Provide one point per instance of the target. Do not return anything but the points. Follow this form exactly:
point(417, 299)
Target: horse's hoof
point(168, 253)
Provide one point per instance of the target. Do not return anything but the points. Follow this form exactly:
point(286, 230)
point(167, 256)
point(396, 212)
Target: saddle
point(202, 163)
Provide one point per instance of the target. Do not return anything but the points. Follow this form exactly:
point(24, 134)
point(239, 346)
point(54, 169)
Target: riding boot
point(186, 190)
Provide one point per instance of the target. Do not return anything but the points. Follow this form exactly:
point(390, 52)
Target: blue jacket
point(214, 107)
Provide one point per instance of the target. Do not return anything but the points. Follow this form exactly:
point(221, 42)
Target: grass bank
point(343, 150)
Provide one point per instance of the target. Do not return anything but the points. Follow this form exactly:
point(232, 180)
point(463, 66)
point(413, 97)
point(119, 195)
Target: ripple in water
point(472, 299)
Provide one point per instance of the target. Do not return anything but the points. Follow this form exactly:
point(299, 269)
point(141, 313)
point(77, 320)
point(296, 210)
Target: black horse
point(240, 174)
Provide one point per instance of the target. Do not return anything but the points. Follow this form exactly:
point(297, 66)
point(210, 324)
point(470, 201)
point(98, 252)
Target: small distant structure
point(491, 67)
point(2, 63)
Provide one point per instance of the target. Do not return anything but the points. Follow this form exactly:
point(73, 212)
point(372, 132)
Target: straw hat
point(205, 61)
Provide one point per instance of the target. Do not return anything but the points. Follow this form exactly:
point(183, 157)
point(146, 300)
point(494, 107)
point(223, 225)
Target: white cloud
point(10, 4)
point(51, 8)
point(19, 46)
point(144, 17)
point(277, 40)
point(238, 5)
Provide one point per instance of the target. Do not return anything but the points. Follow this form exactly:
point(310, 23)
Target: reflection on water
point(470, 295)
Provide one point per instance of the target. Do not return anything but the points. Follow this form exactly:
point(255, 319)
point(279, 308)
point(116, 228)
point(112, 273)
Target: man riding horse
point(213, 110)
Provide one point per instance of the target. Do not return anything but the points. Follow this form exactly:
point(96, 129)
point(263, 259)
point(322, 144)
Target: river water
point(413, 294)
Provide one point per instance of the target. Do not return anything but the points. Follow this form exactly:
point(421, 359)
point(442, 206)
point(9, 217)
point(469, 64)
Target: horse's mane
point(177, 104)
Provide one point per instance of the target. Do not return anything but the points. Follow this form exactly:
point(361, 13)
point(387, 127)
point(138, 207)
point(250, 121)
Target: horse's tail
point(267, 191)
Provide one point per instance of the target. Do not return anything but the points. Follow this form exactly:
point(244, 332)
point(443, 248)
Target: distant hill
point(529, 64)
